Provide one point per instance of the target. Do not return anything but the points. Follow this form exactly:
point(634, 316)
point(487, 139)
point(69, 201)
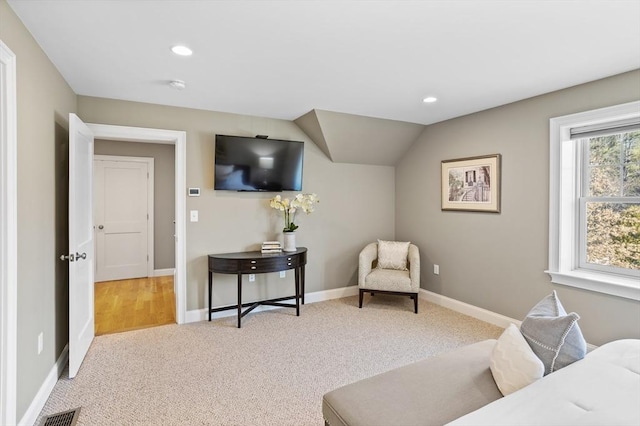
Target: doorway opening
point(134, 233)
point(178, 140)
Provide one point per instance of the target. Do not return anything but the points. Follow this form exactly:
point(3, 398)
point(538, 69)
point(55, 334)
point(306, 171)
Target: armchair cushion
point(393, 255)
point(388, 280)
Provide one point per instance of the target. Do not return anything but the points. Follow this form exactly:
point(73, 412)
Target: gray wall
point(497, 261)
point(492, 261)
point(44, 104)
point(163, 192)
point(356, 201)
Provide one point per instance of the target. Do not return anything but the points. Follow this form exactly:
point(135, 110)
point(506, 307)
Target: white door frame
point(179, 139)
point(8, 236)
point(150, 209)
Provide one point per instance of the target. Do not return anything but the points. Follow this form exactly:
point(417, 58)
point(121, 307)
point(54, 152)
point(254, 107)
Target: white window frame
point(564, 205)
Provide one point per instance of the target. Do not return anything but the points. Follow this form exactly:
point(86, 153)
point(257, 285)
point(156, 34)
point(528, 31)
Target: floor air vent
point(66, 418)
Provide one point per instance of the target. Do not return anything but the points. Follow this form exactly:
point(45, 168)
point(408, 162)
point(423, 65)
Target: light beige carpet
point(272, 371)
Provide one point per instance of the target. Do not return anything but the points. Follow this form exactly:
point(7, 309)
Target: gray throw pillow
point(554, 335)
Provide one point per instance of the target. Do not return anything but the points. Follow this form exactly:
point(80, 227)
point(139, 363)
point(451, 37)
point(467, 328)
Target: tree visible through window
point(611, 201)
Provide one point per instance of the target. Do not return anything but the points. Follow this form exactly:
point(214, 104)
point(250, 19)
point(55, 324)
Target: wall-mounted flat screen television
point(257, 164)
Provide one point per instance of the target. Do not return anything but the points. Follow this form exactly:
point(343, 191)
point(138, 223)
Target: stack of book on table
point(271, 247)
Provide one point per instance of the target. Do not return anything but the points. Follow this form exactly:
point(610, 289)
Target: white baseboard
point(475, 312)
point(470, 310)
point(45, 390)
point(337, 293)
point(318, 296)
point(163, 272)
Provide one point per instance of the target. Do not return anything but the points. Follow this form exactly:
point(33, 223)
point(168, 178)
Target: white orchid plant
point(289, 207)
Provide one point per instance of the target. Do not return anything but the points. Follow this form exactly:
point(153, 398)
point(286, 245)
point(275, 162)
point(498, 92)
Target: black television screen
point(258, 164)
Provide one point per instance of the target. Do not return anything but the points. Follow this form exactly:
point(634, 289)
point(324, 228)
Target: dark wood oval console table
point(254, 262)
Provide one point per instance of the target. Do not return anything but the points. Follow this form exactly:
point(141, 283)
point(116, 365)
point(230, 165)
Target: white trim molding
point(8, 236)
point(467, 309)
point(179, 139)
point(474, 311)
point(36, 406)
point(339, 293)
point(481, 314)
point(563, 205)
point(164, 272)
point(197, 315)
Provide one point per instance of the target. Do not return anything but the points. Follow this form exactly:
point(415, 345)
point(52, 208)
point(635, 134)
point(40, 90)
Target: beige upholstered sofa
point(457, 388)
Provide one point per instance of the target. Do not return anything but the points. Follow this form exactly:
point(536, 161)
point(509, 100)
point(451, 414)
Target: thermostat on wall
point(194, 192)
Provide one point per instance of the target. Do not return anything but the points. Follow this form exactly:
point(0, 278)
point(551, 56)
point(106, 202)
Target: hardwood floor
point(126, 305)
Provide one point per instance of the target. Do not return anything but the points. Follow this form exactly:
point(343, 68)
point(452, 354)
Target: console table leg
point(239, 300)
point(297, 283)
point(302, 283)
point(210, 290)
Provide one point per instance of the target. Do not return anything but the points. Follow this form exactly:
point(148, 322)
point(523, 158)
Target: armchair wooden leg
point(415, 303)
point(361, 294)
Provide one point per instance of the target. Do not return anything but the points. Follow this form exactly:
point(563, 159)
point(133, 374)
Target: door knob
point(100, 227)
point(68, 257)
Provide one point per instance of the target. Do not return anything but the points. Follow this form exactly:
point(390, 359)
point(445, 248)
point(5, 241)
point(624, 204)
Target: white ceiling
point(282, 59)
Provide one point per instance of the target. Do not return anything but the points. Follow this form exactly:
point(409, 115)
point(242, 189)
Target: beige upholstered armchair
point(390, 267)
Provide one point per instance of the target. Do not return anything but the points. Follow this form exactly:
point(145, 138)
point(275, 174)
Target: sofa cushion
point(513, 364)
point(393, 255)
point(429, 392)
point(554, 335)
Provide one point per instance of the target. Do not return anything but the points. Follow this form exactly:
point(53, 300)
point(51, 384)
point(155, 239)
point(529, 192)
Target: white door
point(121, 219)
point(81, 325)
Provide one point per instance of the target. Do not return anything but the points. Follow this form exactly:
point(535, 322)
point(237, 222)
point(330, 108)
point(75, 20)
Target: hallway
point(133, 304)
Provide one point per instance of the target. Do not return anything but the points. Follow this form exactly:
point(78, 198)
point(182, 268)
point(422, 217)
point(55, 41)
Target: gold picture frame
point(471, 184)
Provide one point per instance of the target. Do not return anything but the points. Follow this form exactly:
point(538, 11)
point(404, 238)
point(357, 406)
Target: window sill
point(628, 288)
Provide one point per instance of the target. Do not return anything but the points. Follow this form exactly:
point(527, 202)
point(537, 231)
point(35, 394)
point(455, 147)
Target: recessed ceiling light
point(429, 99)
point(178, 84)
point(182, 50)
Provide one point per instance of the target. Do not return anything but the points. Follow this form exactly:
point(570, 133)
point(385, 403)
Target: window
point(594, 206)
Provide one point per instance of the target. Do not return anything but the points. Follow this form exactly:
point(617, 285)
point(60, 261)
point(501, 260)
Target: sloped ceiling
point(281, 58)
point(349, 138)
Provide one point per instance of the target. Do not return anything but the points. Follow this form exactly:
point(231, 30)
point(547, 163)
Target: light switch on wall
point(194, 215)
point(40, 342)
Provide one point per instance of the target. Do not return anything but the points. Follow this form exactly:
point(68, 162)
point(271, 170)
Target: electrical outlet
point(436, 269)
point(40, 343)
point(252, 278)
point(283, 274)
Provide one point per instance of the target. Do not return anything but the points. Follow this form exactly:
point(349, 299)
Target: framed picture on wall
point(471, 184)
